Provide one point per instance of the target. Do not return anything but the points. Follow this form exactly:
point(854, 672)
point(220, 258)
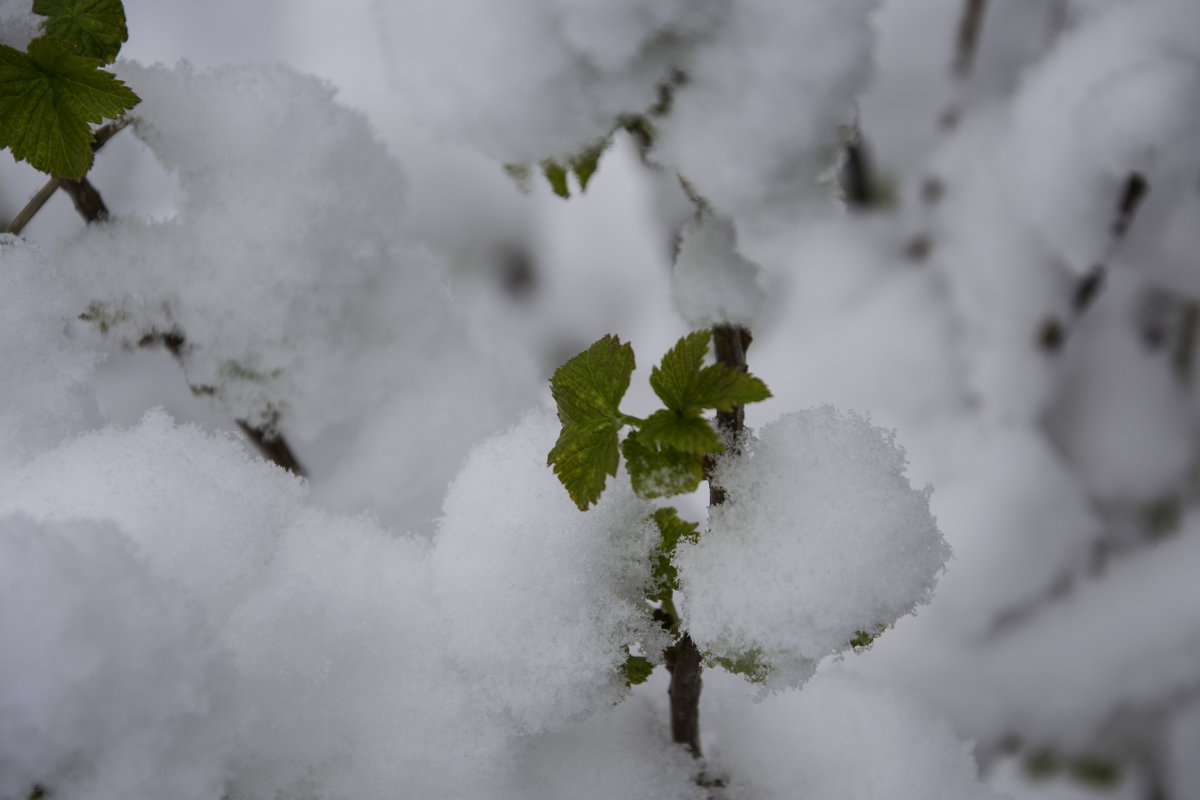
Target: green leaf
point(520, 174)
point(660, 472)
point(582, 458)
point(749, 664)
point(688, 432)
point(47, 98)
point(673, 380)
point(556, 174)
point(95, 27)
point(866, 639)
point(684, 384)
point(588, 391)
point(721, 387)
point(636, 669)
point(585, 162)
point(673, 530)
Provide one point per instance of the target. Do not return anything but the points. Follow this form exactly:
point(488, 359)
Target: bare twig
point(87, 200)
point(33, 206)
point(1089, 287)
point(968, 36)
point(683, 659)
point(90, 205)
point(1185, 349)
point(273, 447)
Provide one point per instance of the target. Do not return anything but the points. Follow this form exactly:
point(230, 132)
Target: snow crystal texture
point(820, 537)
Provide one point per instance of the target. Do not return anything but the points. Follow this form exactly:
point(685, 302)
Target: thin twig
point(90, 205)
point(1089, 287)
point(273, 447)
point(1185, 350)
point(33, 206)
point(684, 659)
point(86, 198)
point(89, 200)
point(968, 36)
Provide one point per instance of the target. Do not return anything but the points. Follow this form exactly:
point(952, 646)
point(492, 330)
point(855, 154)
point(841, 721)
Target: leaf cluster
point(50, 93)
point(584, 162)
point(664, 453)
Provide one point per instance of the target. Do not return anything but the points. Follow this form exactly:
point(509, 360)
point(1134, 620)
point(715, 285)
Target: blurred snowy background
point(995, 256)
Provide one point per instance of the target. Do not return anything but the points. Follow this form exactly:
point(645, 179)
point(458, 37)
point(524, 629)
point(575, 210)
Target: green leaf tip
point(586, 161)
point(672, 530)
point(866, 638)
point(636, 669)
point(587, 390)
point(751, 665)
point(660, 471)
point(96, 27)
point(685, 431)
point(556, 175)
point(48, 95)
point(684, 384)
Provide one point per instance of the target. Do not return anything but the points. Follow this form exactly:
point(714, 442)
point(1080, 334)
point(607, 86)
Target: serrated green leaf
point(587, 390)
point(556, 174)
point(590, 385)
point(636, 669)
point(688, 432)
point(96, 27)
point(672, 529)
point(47, 98)
point(583, 458)
point(660, 472)
point(721, 387)
point(749, 664)
point(674, 379)
point(684, 384)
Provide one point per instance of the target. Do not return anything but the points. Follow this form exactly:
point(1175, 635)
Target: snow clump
point(820, 538)
point(517, 566)
point(759, 89)
point(301, 293)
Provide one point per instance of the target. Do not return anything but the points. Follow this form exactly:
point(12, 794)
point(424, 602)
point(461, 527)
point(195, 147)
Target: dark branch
point(968, 36)
point(683, 658)
point(273, 447)
point(86, 198)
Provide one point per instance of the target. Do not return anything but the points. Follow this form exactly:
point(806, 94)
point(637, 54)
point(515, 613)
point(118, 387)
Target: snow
point(839, 736)
point(326, 291)
point(766, 85)
point(1130, 80)
point(41, 373)
point(760, 117)
point(820, 537)
point(712, 284)
point(557, 565)
point(427, 614)
point(113, 685)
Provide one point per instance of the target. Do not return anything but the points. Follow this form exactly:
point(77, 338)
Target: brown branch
point(683, 658)
point(273, 447)
point(969, 26)
point(267, 440)
point(87, 200)
point(1185, 348)
point(1089, 287)
point(684, 690)
point(33, 206)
